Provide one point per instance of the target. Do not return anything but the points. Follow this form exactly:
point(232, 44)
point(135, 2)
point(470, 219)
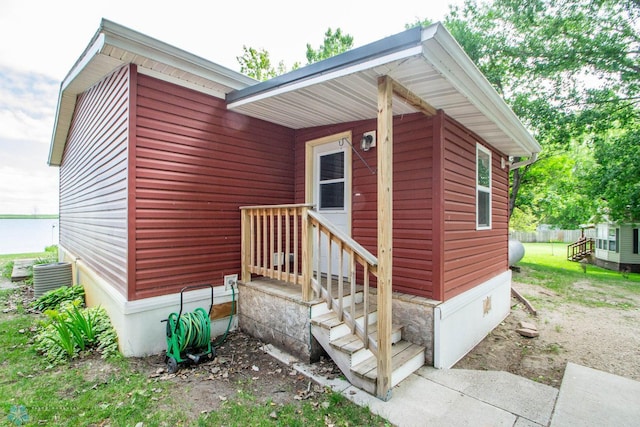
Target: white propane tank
point(516, 251)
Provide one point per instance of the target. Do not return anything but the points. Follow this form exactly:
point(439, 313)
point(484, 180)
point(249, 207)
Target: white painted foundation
point(139, 325)
point(462, 322)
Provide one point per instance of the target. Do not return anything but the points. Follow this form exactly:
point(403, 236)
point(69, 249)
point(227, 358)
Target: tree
point(563, 66)
point(334, 44)
point(256, 63)
point(617, 175)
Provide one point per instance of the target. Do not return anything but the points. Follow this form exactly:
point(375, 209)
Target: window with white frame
point(613, 239)
point(483, 188)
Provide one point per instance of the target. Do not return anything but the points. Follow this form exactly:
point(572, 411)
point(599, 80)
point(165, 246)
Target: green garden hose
point(192, 330)
point(233, 308)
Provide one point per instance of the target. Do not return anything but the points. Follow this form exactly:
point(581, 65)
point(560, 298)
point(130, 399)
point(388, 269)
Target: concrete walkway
point(458, 397)
point(596, 398)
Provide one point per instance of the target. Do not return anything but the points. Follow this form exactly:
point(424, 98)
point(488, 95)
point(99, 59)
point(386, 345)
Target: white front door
point(332, 194)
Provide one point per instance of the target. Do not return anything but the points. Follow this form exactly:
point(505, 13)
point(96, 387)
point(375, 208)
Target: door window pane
point(332, 166)
point(332, 181)
point(332, 195)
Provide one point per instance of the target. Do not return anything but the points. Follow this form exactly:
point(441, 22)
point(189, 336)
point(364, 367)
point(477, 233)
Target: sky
point(40, 40)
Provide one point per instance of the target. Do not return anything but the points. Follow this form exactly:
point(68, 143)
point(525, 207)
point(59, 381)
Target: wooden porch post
point(245, 235)
point(385, 233)
point(306, 244)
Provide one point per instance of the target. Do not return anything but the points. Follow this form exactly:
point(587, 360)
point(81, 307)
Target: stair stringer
point(343, 360)
point(351, 363)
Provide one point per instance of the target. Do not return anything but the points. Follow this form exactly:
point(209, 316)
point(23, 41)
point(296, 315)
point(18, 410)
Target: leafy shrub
point(72, 330)
point(53, 300)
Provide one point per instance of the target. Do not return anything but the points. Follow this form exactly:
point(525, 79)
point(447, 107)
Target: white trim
point(91, 52)
point(363, 66)
point(179, 82)
point(140, 44)
point(465, 76)
point(462, 322)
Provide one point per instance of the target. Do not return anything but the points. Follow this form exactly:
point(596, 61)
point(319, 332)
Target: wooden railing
point(275, 244)
point(580, 249)
point(360, 262)
point(288, 243)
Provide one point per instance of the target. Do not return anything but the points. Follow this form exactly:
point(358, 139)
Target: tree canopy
point(570, 71)
point(256, 63)
point(334, 44)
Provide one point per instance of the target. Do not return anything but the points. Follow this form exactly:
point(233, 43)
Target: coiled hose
point(193, 330)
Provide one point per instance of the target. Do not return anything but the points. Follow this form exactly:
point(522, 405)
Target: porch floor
point(293, 292)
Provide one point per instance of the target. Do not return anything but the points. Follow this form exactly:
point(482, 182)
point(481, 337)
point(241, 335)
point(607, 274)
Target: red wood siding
point(412, 151)
point(196, 164)
point(93, 179)
point(471, 256)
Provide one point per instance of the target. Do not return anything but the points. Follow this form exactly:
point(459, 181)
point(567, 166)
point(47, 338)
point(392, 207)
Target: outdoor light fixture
point(368, 140)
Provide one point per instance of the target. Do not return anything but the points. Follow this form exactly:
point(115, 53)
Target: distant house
point(617, 246)
point(362, 201)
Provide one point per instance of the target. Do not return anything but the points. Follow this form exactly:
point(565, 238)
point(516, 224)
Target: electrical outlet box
point(229, 281)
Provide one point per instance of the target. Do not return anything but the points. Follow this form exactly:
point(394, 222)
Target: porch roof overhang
point(113, 46)
point(428, 62)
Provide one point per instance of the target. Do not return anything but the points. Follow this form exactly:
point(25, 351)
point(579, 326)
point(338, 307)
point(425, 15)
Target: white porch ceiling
point(434, 68)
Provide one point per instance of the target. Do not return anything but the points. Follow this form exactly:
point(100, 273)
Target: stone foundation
point(276, 314)
point(615, 266)
point(416, 315)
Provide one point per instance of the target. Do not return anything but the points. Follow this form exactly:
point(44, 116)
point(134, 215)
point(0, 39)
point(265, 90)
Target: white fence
point(541, 236)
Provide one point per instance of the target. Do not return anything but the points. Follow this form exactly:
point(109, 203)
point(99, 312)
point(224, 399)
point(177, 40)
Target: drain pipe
point(527, 162)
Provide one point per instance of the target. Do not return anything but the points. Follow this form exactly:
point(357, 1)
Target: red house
point(176, 171)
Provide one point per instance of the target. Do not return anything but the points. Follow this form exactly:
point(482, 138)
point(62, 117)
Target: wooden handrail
point(357, 255)
point(342, 236)
point(580, 249)
point(282, 241)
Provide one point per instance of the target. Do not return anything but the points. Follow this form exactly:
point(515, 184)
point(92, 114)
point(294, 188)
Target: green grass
point(117, 395)
point(546, 264)
point(24, 216)
point(334, 410)
point(30, 255)
point(7, 260)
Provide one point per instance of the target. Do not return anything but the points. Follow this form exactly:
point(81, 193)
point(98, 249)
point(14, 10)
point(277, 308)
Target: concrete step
point(21, 269)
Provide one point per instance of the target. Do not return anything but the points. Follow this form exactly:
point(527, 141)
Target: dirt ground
point(241, 365)
point(601, 338)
